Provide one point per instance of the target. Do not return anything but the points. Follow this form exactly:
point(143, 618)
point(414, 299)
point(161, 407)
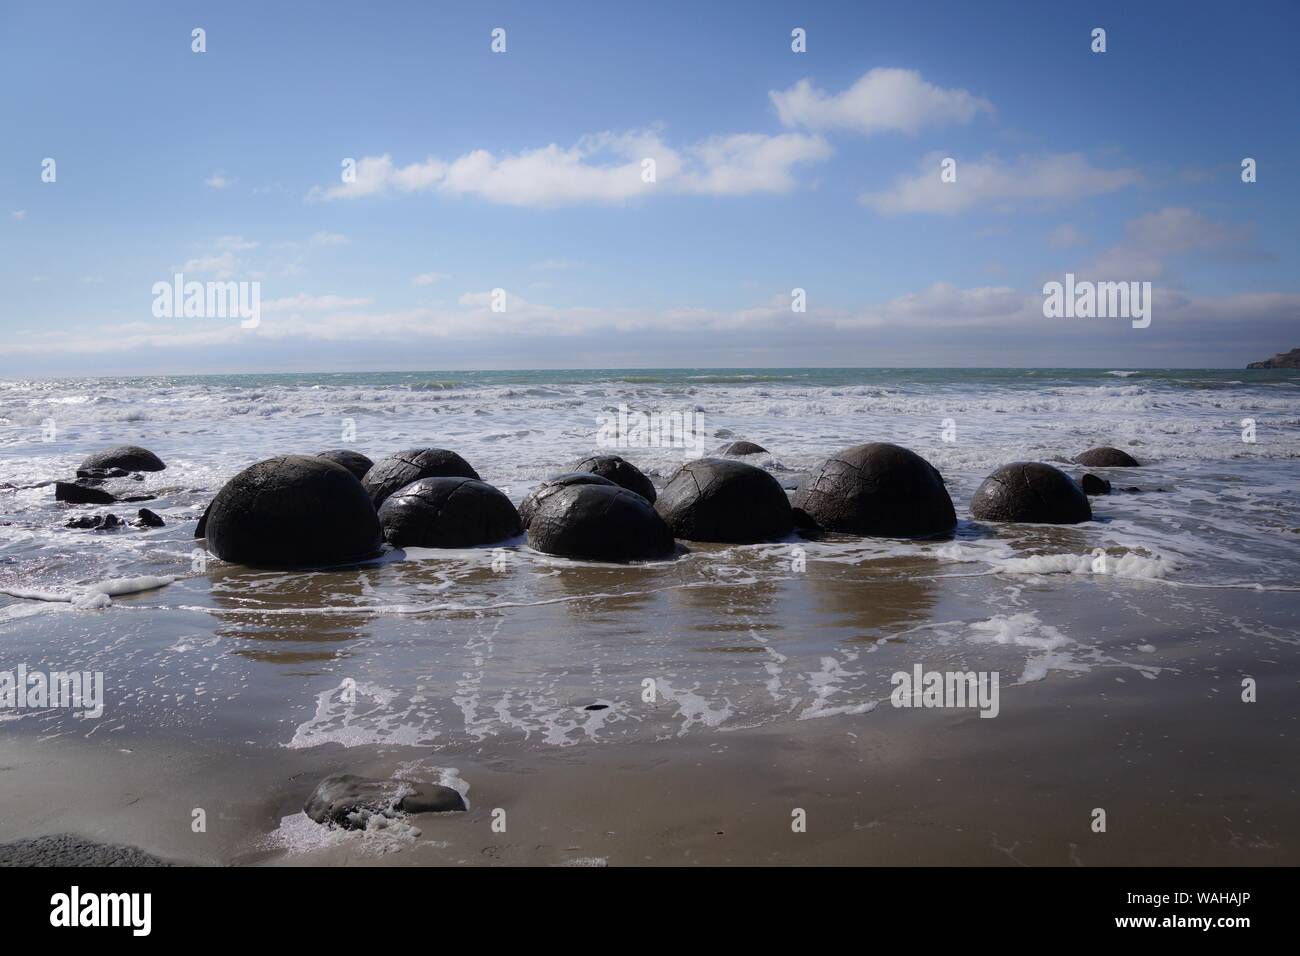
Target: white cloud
point(218, 180)
point(303, 302)
point(600, 168)
point(429, 278)
point(327, 239)
point(1151, 239)
point(19, 214)
point(1049, 177)
point(882, 99)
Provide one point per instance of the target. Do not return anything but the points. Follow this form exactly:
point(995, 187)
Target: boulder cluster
point(339, 507)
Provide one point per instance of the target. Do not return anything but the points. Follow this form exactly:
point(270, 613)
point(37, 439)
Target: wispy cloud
point(884, 99)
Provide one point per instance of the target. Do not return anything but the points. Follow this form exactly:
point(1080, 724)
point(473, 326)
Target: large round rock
point(600, 522)
point(717, 499)
point(447, 513)
point(399, 470)
point(551, 485)
point(130, 457)
point(1030, 491)
point(876, 489)
point(738, 448)
point(1106, 458)
point(292, 511)
point(620, 472)
point(353, 461)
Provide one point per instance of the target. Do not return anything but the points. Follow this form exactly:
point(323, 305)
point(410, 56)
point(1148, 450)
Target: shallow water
point(499, 653)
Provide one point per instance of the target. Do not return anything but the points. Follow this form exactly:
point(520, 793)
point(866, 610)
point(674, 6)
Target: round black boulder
point(1106, 458)
point(1093, 485)
point(353, 461)
point(447, 513)
point(1030, 491)
point(876, 489)
point(600, 522)
point(129, 457)
point(399, 470)
point(551, 485)
point(716, 499)
point(292, 511)
point(742, 448)
point(620, 472)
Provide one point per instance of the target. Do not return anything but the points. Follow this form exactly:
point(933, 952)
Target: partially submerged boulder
point(1093, 485)
point(1106, 457)
point(292, 511)
point(399, 470)
point(126, 457)
point(876, 489)
point(739, 448)
point(1030, 491)
point(447, 513)
point(599, 522)
point(620, 472)
point(82, 492)
point(717, 499)
point(353, 461)
point(553, 484)
point(348, 801)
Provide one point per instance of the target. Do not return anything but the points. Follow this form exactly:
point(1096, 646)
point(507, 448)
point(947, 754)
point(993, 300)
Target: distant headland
point(1280, 360)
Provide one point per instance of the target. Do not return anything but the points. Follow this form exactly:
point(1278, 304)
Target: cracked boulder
point(353, 461)
point(399, 470)
point(1033, 492)
point(621, 472)
point(125, 457)
point(875, 489)
point(551, 485)
point(447, 513)
point(717, 499)
point(1106, 458)
point(600, 523)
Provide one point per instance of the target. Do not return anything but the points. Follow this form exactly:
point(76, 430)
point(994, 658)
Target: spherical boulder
point(447, 513)
point(620, 472)
point(1106, 458)
point(353, 461)
point(717, 499)
point(599, 522)
point(1093, 485)
point(399, 470)
point(551, 485)
point(876, 489)
point(292, 511)
point(737, 448)
point(127, 457)
point(1030, 491)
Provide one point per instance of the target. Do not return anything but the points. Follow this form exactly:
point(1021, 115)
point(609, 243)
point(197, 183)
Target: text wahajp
point(922, 688)
point(103, 909)
point(22, 689)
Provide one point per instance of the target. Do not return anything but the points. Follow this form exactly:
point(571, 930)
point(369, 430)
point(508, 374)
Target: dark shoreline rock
point(348, 801)
point(353, 461)
point(875, 489)
point(619, 471)
point(600, 523)
point(718, 499)
point(1030, 492)
point(127, 457)
point(550, 486)
point(447, 513)
point(1092, 485)
point(80, 492)
point(1280, 360)
point(69, 849)
point(293, 511)
point(1106, 457)
point(400, 469)
point(742, 448)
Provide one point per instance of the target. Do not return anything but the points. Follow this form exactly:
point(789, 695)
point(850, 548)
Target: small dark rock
point(84, 521)
point(742, 448)
point(399, 470)
point(149, 519)
point(1092, 485)
point(447, 513)
point(353, 461)
point(348, 801)
point(550, 486)
point(79, 493)
point(128, 457)
point(620, 472)
point(1106, 458)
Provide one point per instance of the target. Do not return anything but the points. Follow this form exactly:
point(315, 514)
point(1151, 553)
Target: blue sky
point(520, 171)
